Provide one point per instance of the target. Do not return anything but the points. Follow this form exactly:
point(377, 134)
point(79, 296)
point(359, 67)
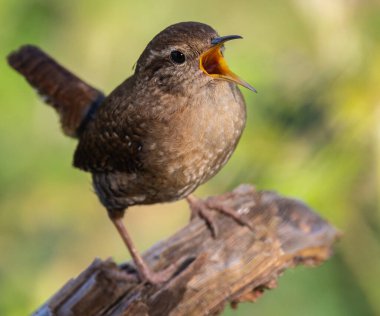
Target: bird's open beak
point(213, 64)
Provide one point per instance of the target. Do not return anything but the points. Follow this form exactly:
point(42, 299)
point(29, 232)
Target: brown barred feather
point(71, 97)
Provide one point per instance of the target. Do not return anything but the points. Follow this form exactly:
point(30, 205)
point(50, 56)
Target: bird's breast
point(198, 141)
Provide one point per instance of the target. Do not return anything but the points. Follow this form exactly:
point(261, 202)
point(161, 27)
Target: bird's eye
point(177, 56)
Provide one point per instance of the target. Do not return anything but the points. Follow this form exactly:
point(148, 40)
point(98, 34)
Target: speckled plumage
point(165, 130)
point(160, 134)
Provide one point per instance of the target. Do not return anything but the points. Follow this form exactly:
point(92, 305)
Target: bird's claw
point(159, 277)
point(204, 208)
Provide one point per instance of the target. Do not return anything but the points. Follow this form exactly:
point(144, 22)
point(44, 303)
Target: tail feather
point(73, 99)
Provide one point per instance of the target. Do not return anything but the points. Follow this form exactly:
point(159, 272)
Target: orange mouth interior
point(213, 64)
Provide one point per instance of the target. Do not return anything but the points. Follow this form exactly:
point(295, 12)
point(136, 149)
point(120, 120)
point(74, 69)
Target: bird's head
point(187, 52)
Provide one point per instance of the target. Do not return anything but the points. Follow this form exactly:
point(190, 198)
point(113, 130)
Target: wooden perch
point(235, 267)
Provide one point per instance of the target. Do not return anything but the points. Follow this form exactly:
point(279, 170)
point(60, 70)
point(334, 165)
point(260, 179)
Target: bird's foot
point(159, 277)
point(204, 208)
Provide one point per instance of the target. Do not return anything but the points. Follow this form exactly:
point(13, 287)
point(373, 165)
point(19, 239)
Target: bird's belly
point(187, 172)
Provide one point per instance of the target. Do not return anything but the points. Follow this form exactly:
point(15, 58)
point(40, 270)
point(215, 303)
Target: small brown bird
point(161, 133)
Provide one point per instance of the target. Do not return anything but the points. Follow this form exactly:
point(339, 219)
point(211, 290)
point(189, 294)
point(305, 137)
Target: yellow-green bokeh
point(313, 133)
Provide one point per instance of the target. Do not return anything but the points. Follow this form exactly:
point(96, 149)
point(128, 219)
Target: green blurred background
point(313, 133)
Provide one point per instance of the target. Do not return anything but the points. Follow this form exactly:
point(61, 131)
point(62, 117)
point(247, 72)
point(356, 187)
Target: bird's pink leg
point(145, 273)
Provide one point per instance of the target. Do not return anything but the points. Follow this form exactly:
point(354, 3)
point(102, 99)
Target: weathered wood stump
point(236, 266)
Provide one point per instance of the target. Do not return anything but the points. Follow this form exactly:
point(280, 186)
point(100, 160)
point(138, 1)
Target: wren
point(161, 133)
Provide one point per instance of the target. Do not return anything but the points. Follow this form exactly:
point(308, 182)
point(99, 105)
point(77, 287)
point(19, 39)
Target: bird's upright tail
point(74, 100)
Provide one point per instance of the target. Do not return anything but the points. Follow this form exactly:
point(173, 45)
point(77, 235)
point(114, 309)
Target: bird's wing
point(113, 141)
